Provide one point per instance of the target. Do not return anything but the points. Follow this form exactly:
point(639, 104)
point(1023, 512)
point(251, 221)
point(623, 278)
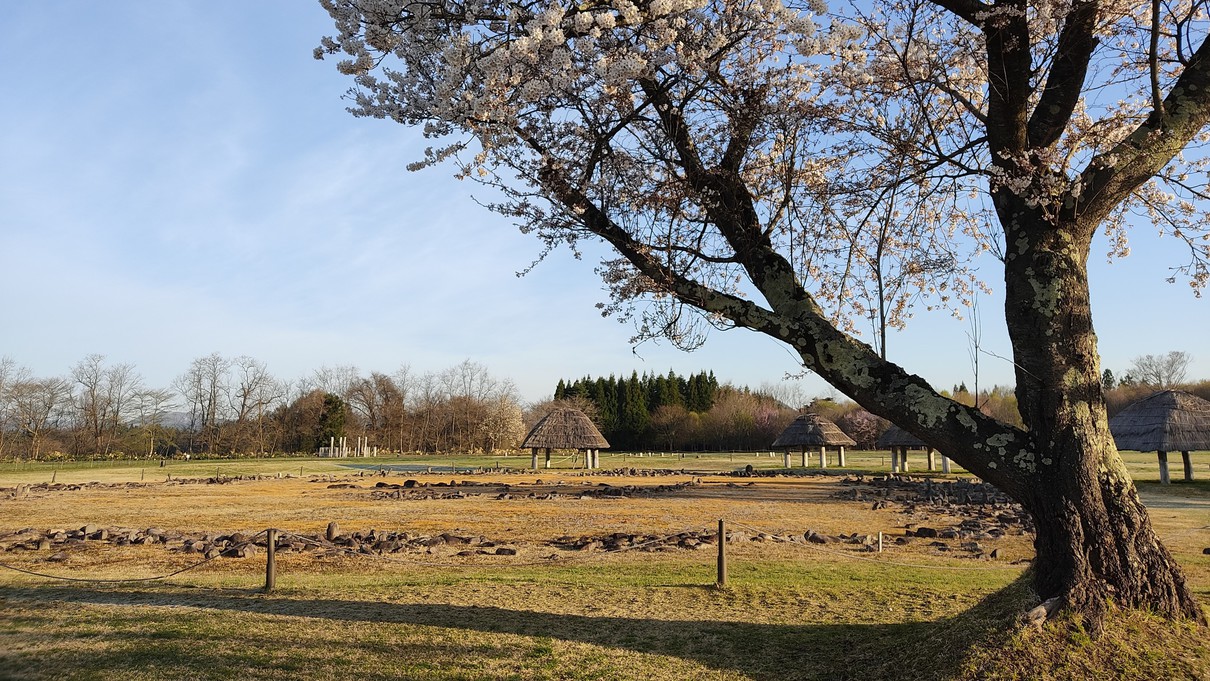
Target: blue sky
point(181, 178)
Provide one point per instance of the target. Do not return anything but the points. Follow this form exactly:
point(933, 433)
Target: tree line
point(234, 407)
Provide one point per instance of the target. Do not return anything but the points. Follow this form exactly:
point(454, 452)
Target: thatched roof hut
point(899, 441)
point(1168, 421)
point(812, 430)
point(898, 437)
point(566, 429)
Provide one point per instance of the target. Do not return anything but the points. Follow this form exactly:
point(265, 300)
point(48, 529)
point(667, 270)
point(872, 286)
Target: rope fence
point(185, 569)
point(273, 536)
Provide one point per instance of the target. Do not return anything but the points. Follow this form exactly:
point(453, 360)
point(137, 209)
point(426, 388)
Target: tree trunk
point(1094, 539)
point(1095, 544)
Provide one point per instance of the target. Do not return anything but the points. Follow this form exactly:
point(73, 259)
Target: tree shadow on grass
point(773, 652)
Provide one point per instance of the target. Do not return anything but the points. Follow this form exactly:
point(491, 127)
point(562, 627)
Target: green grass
point(1142, 465)
point(777, 623)
point(26, 472)
point(614, 621)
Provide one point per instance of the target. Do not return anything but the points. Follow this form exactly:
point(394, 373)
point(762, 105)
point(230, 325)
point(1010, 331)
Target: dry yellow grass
point(774, 505)
point(791, 611)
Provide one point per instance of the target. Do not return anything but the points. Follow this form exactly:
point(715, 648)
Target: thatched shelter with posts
point(899, 441)
point(1167, 421)
point(566, 429)
point(810, 431)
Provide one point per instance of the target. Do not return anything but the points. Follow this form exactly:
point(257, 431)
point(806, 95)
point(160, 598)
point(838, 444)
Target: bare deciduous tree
point(254, 393)
point(1161, 371)
point(39, 405)
point(103, 399)
point(10, 376)
point(151, 406)
point(204, 387)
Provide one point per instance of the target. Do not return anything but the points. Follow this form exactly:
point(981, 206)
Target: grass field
point(1142, 465)
point(791, 610)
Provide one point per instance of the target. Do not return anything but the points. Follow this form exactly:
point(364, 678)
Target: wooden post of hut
point(899, 441)
point(1185, 459)
point(787, 458)
point(1163, 457)
point(548, 457)
point(823, 456)
point(932, 460)
point(533, 462)
point(840, 454)
point(945, 464)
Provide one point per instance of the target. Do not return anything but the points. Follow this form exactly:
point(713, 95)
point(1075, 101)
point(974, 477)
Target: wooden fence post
point(270, 559)
point(722, 554)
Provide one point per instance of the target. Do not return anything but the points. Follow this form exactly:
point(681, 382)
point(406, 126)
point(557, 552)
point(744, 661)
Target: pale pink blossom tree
point(759, 165)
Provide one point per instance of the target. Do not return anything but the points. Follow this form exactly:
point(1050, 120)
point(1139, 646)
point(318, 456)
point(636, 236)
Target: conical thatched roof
point(1168, 421)
point(565, 429)
point(898, 437)
point(812, 430)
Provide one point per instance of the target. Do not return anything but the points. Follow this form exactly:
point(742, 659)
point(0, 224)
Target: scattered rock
point(60, 557)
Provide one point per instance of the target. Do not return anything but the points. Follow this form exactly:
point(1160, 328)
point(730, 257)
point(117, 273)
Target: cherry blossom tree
point(758, 165)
